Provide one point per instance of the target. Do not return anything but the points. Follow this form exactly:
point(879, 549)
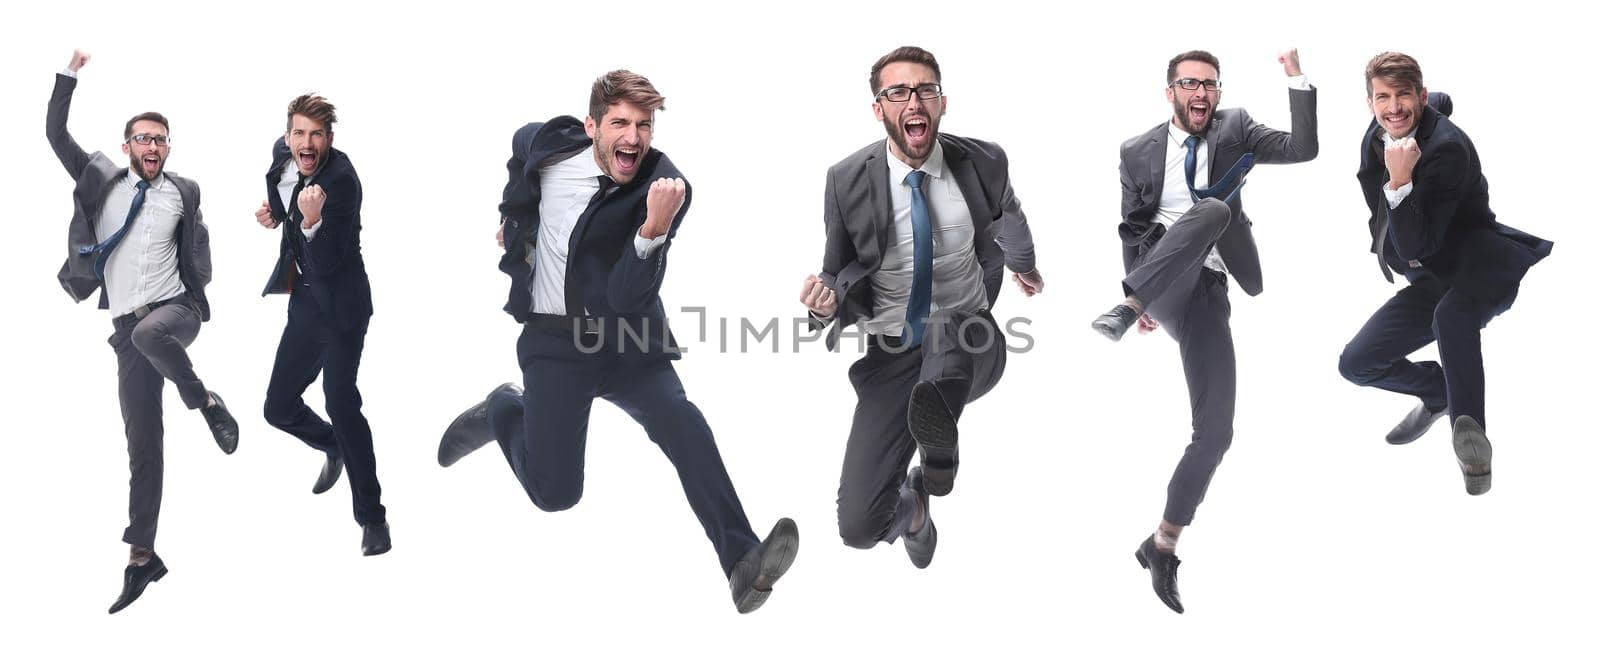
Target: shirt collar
point(132, 179)
point(1178, 135)
point(933, 166)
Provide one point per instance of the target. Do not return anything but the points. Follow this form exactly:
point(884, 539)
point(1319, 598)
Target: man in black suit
point(1183, 230)
point(924, 303)
point(587, 218)
point(137, 236)
point(1431, 222)
point(314, 196)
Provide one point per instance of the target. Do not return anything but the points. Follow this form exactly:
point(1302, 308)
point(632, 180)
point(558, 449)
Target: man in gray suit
point(920, 228)
point(136, 234)
point(1183, 230)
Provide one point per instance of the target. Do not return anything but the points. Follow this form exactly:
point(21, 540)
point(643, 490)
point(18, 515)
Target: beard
point(897, 133)
point(136, 163)
point(1180, 110)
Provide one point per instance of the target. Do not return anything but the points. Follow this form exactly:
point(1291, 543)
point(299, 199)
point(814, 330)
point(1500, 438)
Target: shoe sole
point(934, 430)
point(466, 417)
point(783, 543)
point(1473, 453)
point(1108, 331)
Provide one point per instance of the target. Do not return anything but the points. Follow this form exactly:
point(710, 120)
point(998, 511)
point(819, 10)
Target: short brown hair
point(127, 129)
point(315, 108)
point(1396, 69)
point(911, 54)
point(623, 85)
point(1191, 56)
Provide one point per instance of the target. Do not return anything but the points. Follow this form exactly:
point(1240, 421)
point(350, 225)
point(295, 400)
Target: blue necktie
point(922, 258)
point(102, 251)
point(1231, 182)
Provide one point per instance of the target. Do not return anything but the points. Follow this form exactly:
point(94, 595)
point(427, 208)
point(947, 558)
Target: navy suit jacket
point(1445, 222)
point(604, 273)
point(335, 274)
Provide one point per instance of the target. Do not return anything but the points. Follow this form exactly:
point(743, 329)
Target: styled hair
point(127, 129)
point(1191, 56)
point(1396, 69)
point(623, 85)
point(911, 54)
point(314, 107)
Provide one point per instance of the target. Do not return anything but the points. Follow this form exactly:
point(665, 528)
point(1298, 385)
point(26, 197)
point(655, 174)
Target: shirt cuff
point(1396, 196)
point(69, 73)
point(1299, 82)
point(312, 232)
point(645, 247)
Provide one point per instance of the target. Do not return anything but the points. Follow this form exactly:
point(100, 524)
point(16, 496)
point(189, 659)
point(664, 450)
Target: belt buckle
point(142, 311)
point(591, 325)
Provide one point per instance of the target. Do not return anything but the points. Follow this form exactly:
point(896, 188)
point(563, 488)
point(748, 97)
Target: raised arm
point(67, 150)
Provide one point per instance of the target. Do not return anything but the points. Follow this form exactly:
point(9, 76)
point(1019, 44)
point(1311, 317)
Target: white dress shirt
point(566, 184)
point(143, 268)
point(957, 277)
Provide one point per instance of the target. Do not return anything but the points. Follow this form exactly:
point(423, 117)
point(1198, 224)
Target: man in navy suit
point(314, 197)
point(587, 218)
point(1431, 222)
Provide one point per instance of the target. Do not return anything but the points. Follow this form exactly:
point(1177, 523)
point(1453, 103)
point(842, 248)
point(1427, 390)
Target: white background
point(1317, 539)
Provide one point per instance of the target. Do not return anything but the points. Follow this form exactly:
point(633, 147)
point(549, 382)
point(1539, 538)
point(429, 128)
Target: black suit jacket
point(335, 274)
point(94, 174)
point(604, 273)
point(1231, 135)
point(1445, 222)
point(858, 216)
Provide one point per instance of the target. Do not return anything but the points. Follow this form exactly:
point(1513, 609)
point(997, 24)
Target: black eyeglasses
point(1192, 84)
point(146, 138)
point(902, 93)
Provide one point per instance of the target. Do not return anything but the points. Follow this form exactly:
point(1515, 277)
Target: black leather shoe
point(470, 430)
point(136, 578)
point(1472, 454)
point(374, 539)
point(752, 578)
point(1416, 423)
point(933, 426)
point(1115, 323)
point(920, 545)
point(1163, 572)
point(223, 427)
point(332, 467)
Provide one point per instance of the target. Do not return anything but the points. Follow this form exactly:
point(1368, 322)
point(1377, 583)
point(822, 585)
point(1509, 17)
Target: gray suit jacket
point(94, 174)
point(1231, 135)
point(857, 213)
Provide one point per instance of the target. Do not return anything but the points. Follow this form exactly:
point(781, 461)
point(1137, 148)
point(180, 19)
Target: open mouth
point(1199, 113)
point(1398, 121)
point(626, 159)
point(917, 130)
point(306, 159)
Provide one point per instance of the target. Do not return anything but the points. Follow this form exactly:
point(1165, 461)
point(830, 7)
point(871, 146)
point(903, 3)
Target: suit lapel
point(1156, 152)
point(966, 176)
point(880, 203)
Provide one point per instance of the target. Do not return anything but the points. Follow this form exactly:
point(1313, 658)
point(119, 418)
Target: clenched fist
point(264, 216)
point(310, 203)
point(661, 206)
point(1400, 157)
point(79, 58)
point(818, 297)
point(1290, 59)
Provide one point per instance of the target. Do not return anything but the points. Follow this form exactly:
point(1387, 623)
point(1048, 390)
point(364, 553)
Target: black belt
point(560, 322)
point(142, 311)
point(886, 342)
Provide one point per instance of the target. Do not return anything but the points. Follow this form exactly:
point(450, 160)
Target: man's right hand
point(818, 297)
point(264, 216)
point(1147, 325)
point(79, 58)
